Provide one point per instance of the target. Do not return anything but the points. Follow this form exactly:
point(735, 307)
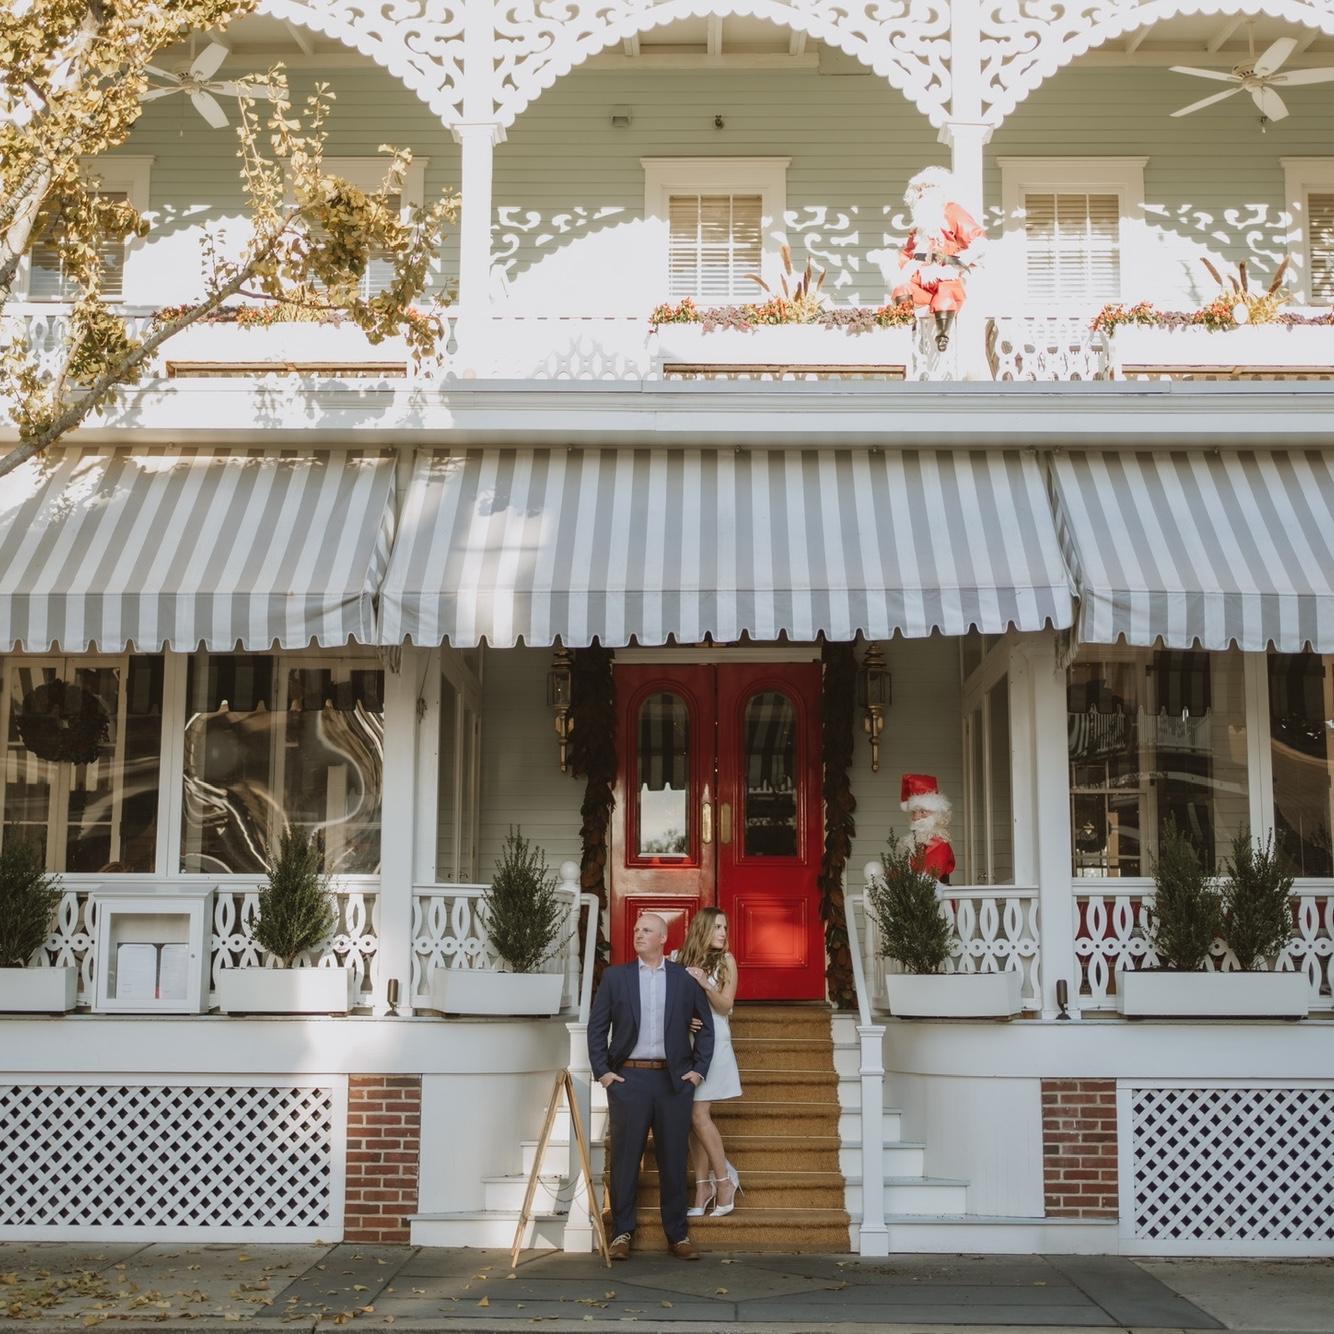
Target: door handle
point(725, 822)
point(706, 821)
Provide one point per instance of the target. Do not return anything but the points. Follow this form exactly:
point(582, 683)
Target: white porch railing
point(993, 929)
point(449, 931)
point(1111, 938)
point(1044, 347)
point(354, 943)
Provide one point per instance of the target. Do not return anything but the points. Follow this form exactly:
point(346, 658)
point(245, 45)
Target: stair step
point(487, 1230)
point(755, 1081)
point(758, 1020)
point(771, 1190)
point(791, 1117)
point(784, 1053)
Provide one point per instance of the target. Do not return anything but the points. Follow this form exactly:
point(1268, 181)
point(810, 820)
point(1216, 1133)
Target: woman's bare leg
point(699, 1163)
point(707, 1137)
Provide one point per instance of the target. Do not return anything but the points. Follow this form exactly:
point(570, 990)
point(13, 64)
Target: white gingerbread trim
point(1302, 175)
point(1023, 45)
point(906, 43)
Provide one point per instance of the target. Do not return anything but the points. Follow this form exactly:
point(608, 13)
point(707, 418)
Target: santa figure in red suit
point(929, 810)
point(944, 244)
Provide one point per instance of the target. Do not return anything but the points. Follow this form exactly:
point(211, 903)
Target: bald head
point(650, 938)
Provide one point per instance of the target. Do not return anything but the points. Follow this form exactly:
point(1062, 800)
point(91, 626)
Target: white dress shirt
point(651, 1044)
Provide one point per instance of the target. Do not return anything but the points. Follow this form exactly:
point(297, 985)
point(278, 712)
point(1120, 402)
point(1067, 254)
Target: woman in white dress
point(705, 957)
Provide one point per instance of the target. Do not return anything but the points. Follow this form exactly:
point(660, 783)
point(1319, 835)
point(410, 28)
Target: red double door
point(719, 803)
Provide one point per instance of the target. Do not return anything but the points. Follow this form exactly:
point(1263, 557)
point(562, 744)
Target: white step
point(925, 1197)
point(556, 1160)
point(487, 1230)
point(505, 1193)
point(901, 1159)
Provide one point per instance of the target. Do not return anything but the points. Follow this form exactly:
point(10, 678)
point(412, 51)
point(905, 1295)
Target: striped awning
point(180, 547)
point(536, 544)
point(1216, 548)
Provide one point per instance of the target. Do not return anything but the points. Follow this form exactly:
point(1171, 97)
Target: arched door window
point(769, 818)
point(662, 823)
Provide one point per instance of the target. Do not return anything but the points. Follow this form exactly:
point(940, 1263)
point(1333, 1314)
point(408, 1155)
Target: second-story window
point(1072, 243)
point(1320, 225)
point(714, 241)
point(367, 174)
point(47, 279)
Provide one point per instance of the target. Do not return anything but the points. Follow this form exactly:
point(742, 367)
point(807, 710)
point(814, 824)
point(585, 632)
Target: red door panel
point(769, 826)
point(663, 850)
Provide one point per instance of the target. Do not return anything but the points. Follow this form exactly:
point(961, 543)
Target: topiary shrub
point(1187, 906)
point(1257, 901)
point(297, 913)
point(523, 913)
point(904, 904)
point(28, 901)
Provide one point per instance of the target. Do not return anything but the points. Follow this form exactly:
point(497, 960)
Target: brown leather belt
point(643, 1065)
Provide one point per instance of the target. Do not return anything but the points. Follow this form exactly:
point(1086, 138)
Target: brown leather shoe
point(620, 1247)
point(685, 1250)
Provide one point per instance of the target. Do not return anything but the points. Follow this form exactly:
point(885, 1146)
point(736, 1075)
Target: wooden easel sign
point(564, 1085)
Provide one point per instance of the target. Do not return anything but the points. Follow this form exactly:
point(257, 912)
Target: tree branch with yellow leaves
point(75, 72)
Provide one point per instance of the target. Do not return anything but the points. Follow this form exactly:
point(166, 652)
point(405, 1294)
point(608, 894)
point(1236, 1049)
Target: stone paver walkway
point(127, 1287)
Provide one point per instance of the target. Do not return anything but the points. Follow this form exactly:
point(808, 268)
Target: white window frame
point(1020, 176)
point(666, 176)
point(1301, 176)
point(131, 174)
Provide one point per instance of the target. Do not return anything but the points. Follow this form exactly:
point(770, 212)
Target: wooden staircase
point(782, 1136)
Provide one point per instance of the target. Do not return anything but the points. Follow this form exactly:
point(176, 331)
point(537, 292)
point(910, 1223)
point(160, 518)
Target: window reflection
point(771, 776)
point(663, 824)
point(1301, 742)
point(1154, 738)
point(267, 743)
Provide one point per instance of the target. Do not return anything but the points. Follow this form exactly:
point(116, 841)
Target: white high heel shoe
point(722, 1210)
point(699, 1210)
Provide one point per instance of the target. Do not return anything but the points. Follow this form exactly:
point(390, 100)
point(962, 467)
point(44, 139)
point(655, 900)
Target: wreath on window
point(63, 723)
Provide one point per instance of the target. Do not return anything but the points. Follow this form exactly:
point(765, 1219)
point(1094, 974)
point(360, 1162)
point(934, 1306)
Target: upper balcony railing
point(518, 347)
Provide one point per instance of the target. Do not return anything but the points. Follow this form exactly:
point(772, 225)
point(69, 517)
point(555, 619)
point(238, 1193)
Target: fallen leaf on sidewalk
point(720, 1292)
point(486, 1301)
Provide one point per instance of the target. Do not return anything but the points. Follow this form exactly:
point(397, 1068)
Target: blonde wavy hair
point(698, 951)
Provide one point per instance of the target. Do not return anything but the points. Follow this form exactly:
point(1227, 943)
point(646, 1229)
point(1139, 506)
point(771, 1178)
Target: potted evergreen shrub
point(297, 914)
point(524, 918)
point(1249, 907)
point(28, 901)
point(905, 902)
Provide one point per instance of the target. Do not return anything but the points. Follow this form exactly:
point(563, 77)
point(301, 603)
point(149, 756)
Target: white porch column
point(478, 142)
point(1051, 809)
point(398, 825)
point(966, 140)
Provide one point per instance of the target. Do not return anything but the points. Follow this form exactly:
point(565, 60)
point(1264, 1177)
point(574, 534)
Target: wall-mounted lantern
point(873, 694)
point(560, 687)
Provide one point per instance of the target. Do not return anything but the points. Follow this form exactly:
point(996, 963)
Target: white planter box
point(38, 990)
point(296, 344)
point(1213, 995)
point(782, 345)
point(954, 995)
point(489, 991)
point(286, 990)
point(1133, 350)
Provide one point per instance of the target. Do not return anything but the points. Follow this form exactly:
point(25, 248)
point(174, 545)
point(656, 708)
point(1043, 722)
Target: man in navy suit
point(650, 1072)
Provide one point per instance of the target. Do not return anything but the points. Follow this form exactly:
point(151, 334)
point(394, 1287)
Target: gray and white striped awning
point(180, 547)
point(1215, 548)
point(536, 544)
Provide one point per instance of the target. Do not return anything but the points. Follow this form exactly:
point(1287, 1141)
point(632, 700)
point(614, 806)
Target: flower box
point(783, 345)
point(295, 346)
point(286, 990)
point(489, 991)
point(38, 990)
point(1163, 994)
point(1139, 350)
point(954, 995)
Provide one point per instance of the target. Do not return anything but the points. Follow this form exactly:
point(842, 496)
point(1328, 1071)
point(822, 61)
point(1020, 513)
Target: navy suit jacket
point(613, 1023)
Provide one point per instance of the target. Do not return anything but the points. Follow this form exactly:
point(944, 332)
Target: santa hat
point(921, 792)
point(929, 178)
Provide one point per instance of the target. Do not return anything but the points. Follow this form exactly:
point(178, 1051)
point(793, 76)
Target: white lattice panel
point(175, 1159)
point(1043, 348)
point(1111, 937)
point(1229, 1165)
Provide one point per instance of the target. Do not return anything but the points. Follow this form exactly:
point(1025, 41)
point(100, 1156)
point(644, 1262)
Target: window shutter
point(379, 270)
point(713, 242)
point(46, 271)
point(1320, 246)
point(1073, 248)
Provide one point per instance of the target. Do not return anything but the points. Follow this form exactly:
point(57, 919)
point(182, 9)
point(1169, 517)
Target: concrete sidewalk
point(202, 1286)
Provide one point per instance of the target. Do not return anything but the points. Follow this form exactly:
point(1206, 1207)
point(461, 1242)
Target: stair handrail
point(853, 903)
point(578, 1229)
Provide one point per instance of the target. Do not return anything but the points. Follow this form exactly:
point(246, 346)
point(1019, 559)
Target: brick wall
point(1079, 1148)
point(383, 1148)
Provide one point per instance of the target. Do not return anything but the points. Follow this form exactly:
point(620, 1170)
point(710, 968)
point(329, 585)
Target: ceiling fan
point(198, 83)
point(1258, 76)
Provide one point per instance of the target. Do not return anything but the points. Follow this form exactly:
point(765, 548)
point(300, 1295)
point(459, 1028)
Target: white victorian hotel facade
point(1089, 588)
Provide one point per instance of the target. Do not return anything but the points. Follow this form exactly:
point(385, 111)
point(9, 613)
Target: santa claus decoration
point(944, 245)
point(929, 810)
